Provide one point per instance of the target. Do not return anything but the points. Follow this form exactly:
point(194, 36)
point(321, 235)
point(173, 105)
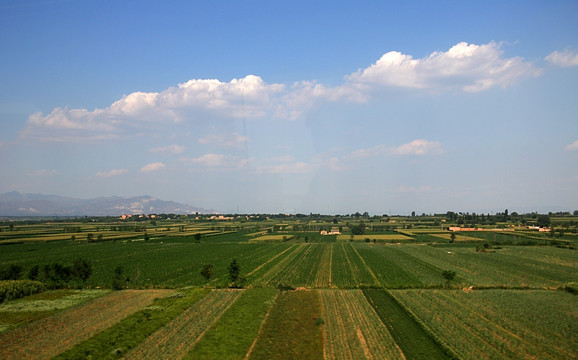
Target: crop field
point(414, 341)
point(293, 329)
point(53, 334)
point(271, 238)
point(499, 324)
point(458, 237)
point(233, 335)
point(353, 328)
point(40, 305)
point(175, 339)
point(541, 267)
point(299, 294)
point(375, 238)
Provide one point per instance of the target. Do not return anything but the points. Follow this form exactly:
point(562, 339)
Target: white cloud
point(171, 149)
point(246, 97)
point(217, 161)
point(564, 58)
point(418, 147)
point(467, 67)
point(113, 172)
point(231, 140)
point(152, 167)
point(573, 146)
point(464, 67)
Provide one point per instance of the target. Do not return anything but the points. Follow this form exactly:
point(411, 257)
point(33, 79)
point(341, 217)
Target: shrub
point(572, 288)
point(15, 289)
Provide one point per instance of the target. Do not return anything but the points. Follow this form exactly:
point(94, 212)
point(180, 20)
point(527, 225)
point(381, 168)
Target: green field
point(303, 296)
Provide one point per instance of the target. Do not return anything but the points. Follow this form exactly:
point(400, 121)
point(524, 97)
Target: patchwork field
point(301, 295)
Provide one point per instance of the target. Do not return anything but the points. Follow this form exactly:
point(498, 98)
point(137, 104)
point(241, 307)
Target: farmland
point(298, 294)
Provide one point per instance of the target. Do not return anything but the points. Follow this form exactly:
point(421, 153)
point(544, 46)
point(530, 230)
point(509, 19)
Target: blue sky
point(294, 107)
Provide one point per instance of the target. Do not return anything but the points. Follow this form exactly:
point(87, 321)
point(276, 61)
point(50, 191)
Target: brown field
point(293, 329)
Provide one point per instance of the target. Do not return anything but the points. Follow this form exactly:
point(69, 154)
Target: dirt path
point(48, 337)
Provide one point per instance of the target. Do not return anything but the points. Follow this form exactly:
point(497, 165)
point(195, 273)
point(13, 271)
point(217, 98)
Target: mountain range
point(19, 204)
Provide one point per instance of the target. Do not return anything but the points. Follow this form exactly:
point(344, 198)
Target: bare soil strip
point(178, 337)
point(52, 335)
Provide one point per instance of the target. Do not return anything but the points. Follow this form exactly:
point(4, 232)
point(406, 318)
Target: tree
point(448, 275)
point(33, 273)
point(358, 229)
point(453, 237)
point(543, 221)
point(198, 237)
point(237, 280)
point(117, 278)
point(13, 272)
point(234, 271)
point(207, 271)
point(82, 269)
point(90, 237)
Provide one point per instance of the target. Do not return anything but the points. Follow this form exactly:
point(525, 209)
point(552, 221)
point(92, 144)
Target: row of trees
point(54, 274)
point(237, 280)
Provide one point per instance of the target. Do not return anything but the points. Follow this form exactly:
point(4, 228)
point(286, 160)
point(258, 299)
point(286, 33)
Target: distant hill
point(18, 204)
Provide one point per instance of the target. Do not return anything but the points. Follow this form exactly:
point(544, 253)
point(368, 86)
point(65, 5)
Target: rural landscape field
point(447, 286)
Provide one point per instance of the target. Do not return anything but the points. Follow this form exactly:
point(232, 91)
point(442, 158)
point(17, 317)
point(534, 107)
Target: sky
point(328, 107)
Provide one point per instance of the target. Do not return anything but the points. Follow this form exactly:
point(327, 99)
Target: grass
point(293, 329)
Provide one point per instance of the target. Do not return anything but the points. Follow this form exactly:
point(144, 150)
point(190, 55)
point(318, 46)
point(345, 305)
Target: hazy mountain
point(18, 204)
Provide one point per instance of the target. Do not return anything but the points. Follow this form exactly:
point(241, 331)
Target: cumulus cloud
point(226, 140)
point(467, 67)
point(246, 97)
point(573, 146)
point(564, 58)
point(464, 67)
point(171, 149)
point(111, 173)
point(152, 167)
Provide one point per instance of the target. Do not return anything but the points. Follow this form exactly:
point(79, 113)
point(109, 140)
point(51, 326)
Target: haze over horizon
point(294, 107)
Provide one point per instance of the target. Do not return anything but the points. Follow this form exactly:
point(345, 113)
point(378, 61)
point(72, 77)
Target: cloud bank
point(464, 67)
